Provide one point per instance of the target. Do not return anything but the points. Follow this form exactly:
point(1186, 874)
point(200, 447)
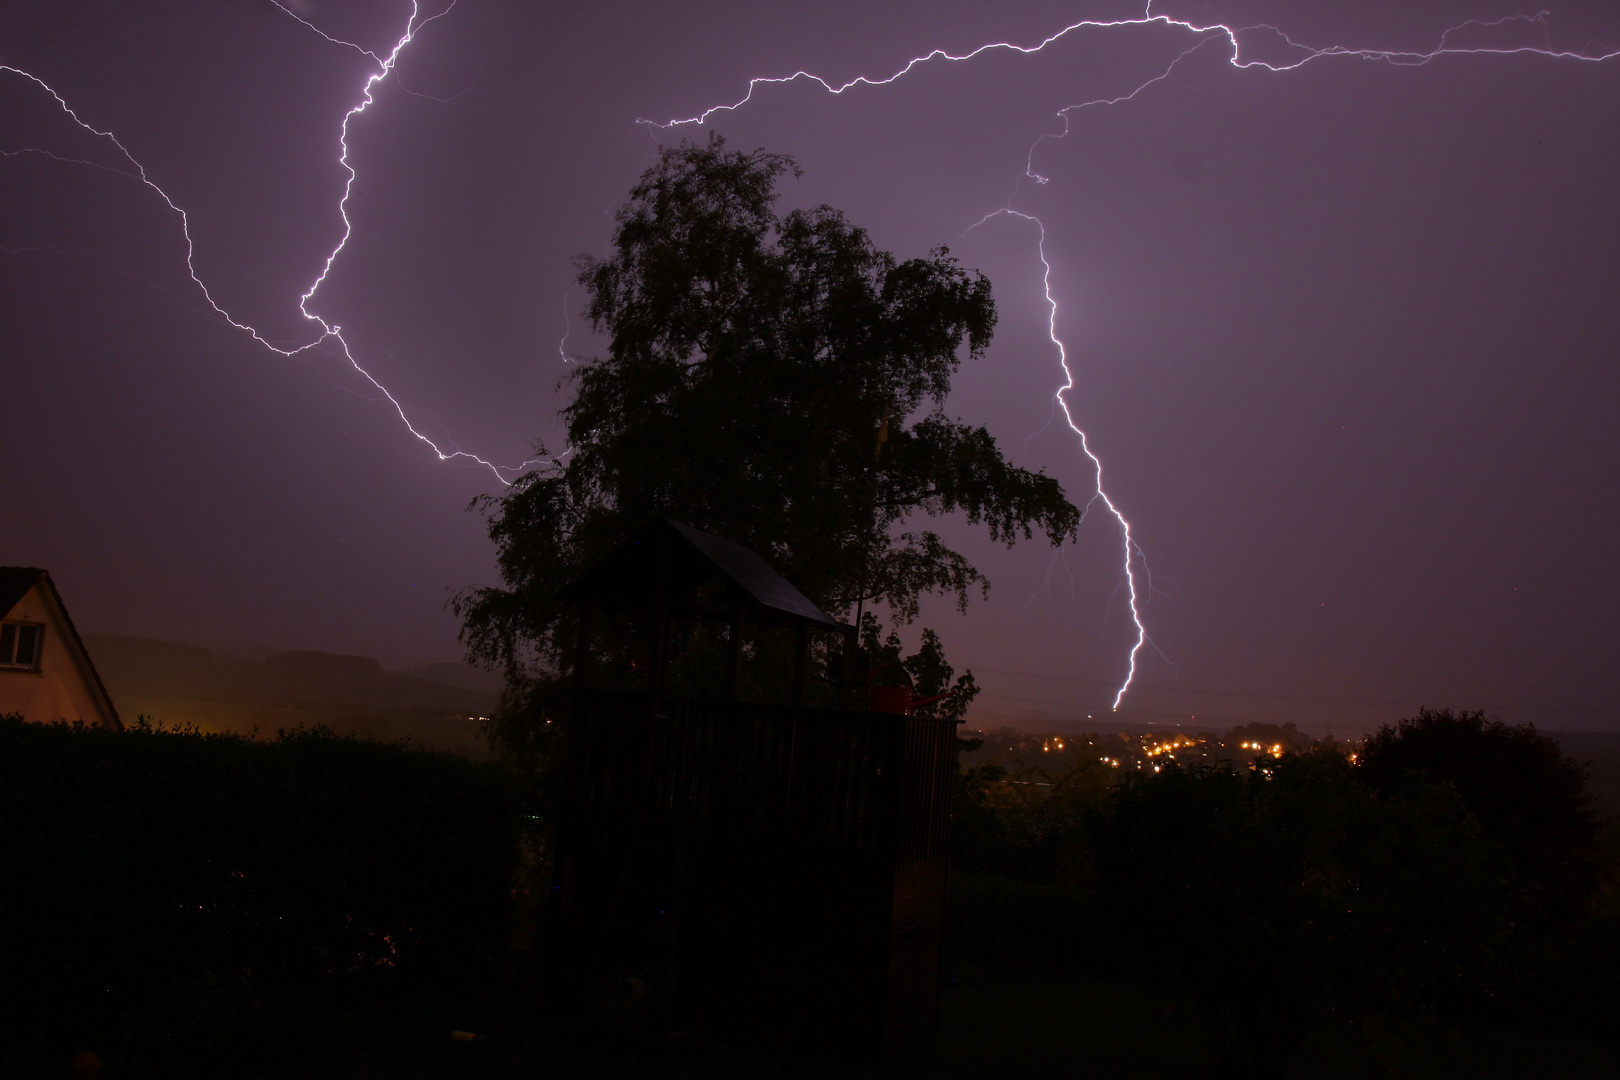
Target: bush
point(1529, 799)
point(143, 863)
point(1020, 900)
point(1032, 825)
point(1273, 894)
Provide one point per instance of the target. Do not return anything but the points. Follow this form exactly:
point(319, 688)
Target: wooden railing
point(740, 774)
point(772, 863)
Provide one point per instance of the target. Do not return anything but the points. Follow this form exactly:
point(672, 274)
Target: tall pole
point(871, 519)
point(660, 628)
point(734, 661)
point(801, 646)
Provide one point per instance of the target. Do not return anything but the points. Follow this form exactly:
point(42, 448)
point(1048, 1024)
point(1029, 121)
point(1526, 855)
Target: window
point(20, 645)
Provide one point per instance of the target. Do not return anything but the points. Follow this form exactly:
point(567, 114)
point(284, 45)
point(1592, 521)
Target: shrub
point(143, 862)
point(1272, 894)
point(1529, 799)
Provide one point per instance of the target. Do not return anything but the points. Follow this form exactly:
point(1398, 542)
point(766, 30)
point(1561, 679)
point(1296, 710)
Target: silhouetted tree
point(774, 379)
point(1529, 799)
point(931, 675)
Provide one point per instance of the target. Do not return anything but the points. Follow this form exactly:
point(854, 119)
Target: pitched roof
point(627, 575)
point(15, 581)
point(752, 574)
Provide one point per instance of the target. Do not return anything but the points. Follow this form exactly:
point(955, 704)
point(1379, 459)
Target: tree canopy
point(1530, 800)
point(771, 378)
point(1273, 894)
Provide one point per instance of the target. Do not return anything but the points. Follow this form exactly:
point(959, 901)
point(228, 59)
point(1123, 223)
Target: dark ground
point(1004, 1027)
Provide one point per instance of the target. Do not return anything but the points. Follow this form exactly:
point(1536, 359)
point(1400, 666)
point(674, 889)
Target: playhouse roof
point(628, 575)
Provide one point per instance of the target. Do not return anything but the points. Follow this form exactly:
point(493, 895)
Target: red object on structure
point(84, 1064)
point(896, 699)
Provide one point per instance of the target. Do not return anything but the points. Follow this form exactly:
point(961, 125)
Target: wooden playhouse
point(743, 869)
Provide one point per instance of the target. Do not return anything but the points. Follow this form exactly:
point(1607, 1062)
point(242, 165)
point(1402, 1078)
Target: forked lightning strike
point(328, 331)
point(1300, 55)
point(1132, 552)
point(1449, 45)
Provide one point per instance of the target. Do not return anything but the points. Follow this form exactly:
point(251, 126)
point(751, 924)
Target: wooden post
point(847, 672)
point(734, 663)
point(660, 616)
point(801, 649)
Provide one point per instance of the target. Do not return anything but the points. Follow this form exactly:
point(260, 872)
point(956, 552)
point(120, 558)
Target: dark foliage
point(1012, 926)
point(1023, 898)
point(148, 868)
point(1303, 884)
point(1272, 894)
point(1576, 985)
point(774, 379)
point(1529, 799)
point(929, 672)
point(1031, 822)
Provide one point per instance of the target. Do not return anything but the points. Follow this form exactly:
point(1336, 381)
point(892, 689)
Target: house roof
point(628, 575)
point(15, 581)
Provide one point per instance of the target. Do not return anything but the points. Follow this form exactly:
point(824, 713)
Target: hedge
point(137, 862)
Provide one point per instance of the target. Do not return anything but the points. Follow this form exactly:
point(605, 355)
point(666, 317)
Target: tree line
point(1447, 869)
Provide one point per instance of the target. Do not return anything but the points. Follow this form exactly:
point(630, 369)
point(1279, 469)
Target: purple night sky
point(1344, 337)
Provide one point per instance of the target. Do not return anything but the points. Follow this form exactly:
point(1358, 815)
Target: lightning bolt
point(1131, 551)
point(1132, 558)
point(1393, 56)
point(325, 331)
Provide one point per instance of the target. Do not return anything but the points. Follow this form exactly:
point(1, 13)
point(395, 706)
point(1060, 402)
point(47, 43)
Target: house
point(45, 672)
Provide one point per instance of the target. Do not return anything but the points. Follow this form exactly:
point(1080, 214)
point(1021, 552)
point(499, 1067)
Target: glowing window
point(20, 645)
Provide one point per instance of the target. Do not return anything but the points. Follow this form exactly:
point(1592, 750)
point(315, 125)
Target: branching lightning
point(326, 331)
point(1133, 559)
point(1454, 41)
point(1130, 552)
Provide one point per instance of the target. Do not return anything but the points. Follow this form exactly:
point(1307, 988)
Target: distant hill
point(434, 705)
